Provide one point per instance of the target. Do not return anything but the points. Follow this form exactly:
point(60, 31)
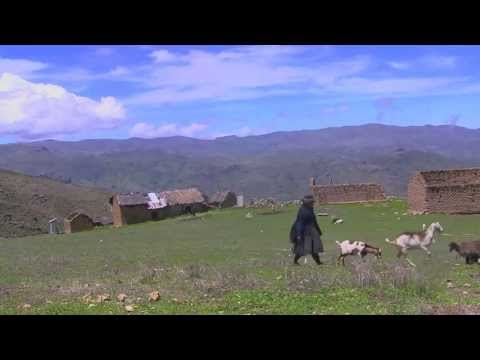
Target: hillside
point(276, 164)
point(28, 203)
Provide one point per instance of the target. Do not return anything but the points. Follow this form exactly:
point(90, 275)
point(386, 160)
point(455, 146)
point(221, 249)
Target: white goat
point(416, 240)
point(349, 248)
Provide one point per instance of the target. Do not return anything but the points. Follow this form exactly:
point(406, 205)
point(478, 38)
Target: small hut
point(77, 221)
point(223, 199)
point(53, 226)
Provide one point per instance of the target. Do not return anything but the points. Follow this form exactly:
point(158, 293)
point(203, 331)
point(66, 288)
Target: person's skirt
point(312, 243)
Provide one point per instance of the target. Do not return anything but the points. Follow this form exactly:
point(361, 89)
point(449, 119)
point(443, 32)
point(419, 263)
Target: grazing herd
point(406, 241)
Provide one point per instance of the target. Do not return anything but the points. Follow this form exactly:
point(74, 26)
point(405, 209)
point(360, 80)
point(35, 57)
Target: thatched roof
point(220, 196)
point(172, 197)
point(131, 199)
point(182, 196)
point(454, 177)
point(76, 214)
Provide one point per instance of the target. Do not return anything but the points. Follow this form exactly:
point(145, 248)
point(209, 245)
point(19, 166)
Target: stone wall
point(416, 194)
point(126, 215)
point(445, 191)
point(453, 199)
point(350, 193)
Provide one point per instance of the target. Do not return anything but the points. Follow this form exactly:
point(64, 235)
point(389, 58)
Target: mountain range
point(273, 165)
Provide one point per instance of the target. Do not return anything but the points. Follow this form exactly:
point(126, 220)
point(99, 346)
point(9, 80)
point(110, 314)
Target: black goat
point(470, 250)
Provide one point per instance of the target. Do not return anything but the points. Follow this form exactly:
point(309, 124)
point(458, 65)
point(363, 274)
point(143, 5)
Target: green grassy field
point(224, 263)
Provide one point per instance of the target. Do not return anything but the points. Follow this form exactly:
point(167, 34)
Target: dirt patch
point(451, 310)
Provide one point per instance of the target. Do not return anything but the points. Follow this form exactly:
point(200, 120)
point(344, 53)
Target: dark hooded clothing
point(307, 228)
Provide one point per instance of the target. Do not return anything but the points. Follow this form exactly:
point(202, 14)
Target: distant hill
point(276, 164)
point(27, 203)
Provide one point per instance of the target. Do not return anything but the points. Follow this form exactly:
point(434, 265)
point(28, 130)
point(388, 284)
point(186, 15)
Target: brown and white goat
point(348, 247)
point(369, 249)
point(416, 240)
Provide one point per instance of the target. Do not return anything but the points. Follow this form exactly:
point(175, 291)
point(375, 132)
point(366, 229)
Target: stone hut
point(223, 199)
point(445, 191)
point(77, 221)
point(132, 208)
point(346, 193)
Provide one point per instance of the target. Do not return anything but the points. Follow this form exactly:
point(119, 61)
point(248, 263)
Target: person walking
point(305, 234)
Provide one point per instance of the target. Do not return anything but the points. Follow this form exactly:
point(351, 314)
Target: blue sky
point(78, 92)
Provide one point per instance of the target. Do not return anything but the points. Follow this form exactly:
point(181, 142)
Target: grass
point(225, 263)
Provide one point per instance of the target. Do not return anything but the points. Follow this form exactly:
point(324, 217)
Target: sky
point(86, 92)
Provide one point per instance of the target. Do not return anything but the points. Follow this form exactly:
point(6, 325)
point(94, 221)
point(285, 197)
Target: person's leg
point(316, 257)
point(295, 259)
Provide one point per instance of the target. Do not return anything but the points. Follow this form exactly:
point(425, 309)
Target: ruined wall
point(452, 177)
point(327, 194)
point(80, 223)
point(453, 199)
point(416, 194)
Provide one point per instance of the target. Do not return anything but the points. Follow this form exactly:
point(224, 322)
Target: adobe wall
point(329, 194)
point(453, 199)
point(416, 194)
point(138, 214)
point(453, 177)
point(80, 223)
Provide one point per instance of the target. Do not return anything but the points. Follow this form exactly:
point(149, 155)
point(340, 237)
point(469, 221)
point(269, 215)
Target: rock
point(449, 284)
point(103, 298)
point(87, 298)
point(249, 216)
point(121, 297)
point(154, 296)
point(27, 306)
point(91, 305)
point(129, 308)
point(467, 285)
point(465, 293)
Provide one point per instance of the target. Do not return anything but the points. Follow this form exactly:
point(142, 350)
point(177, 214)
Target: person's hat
point(308, 198)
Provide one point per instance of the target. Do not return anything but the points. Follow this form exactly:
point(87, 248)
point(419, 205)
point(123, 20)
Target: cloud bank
point(35, 110)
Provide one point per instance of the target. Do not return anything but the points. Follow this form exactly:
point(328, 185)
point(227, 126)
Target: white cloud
point(335, 109)
point(439, 61)
point(149, 131)
point(395, 86)
point(163, 56)
point(21, 67)
point(35, 110)
point(104, 51)
point(428, 61)
point(398, 65)
point(119, 71)
point(241, 132)
point(239, 73)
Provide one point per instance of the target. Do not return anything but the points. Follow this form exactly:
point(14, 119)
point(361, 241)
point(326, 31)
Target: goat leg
point(410, 262)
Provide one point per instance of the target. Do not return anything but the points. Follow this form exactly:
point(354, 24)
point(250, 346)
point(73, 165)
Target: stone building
point(77, 221)
point(445, 191)
point(135, 208)
point(223, 199)
point(346, 193)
